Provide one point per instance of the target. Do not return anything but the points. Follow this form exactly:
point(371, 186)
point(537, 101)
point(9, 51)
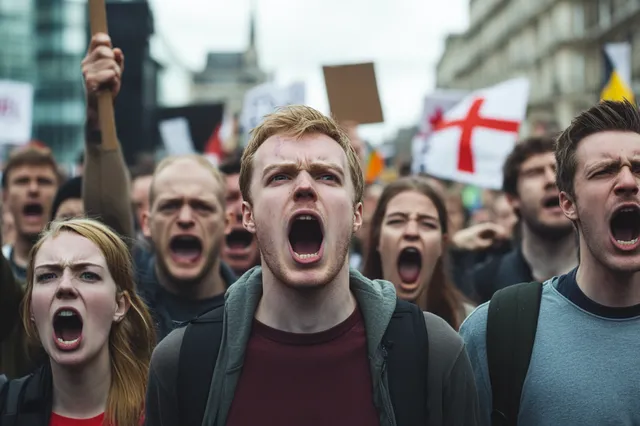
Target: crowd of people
point(280, 288)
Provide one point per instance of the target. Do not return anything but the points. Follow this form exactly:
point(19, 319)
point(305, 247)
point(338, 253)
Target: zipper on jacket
point(386, 396)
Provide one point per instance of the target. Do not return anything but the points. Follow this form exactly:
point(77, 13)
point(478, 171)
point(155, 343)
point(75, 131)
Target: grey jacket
point(451, 391)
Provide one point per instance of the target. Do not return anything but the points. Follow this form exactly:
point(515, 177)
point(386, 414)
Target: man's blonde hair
point(196, 158)
point(297, 121)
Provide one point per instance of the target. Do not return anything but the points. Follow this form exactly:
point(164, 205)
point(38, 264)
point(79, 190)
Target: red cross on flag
point(435, 106)
point(471, 142)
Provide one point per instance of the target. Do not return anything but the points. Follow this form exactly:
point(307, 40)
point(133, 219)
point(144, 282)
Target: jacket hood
point(376, 300)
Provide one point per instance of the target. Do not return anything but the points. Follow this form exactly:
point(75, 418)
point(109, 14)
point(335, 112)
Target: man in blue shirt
point(584, 364)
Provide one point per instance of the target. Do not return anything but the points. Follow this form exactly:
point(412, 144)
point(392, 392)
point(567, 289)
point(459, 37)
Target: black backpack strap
point(198, 356)
point(10, 398)
point(406, 343)
point(511, 330)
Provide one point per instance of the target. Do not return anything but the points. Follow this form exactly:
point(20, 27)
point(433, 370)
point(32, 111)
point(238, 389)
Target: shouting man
point(29, 184)
point(240, 250)
point(183, 275)
point(303, 339)
point(569, 347)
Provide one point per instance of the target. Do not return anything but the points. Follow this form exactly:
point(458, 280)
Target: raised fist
point(102, 68)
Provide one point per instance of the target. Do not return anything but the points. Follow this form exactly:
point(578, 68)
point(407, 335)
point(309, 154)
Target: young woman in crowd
point(408, 245)
point(82, 308)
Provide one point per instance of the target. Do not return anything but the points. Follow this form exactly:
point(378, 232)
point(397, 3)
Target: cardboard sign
point(265, 98)
point(16, 112)
point(353, 93)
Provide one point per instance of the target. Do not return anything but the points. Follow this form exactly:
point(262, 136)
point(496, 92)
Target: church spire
point(252, 24)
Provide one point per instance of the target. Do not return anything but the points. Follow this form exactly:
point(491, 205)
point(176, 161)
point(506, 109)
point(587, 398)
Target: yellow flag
point(616, 89)
point(617, 73)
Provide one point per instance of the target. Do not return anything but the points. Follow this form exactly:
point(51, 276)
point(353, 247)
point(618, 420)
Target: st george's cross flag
point(472, 140)
point(433, 109)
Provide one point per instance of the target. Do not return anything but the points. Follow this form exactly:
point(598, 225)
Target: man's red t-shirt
point(291, 379)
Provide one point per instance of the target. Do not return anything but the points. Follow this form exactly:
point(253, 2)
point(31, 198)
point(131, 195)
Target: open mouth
point(185, 248)
point(67, 329)
point(239, 239)
point(305, 237)
point(409, 265)
point(551, 202)
point(33, 210)
point(625, 225)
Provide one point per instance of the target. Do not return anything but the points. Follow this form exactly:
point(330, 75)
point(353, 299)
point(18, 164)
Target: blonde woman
point(81, 307)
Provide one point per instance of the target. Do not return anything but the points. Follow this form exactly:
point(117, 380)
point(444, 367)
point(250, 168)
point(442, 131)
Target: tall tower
point(251, 54)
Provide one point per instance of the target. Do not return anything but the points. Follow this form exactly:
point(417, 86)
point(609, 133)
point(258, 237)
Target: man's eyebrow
point(316, 166)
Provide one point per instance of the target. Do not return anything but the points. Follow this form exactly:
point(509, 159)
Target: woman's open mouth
point(409, 265)
point(67, 329)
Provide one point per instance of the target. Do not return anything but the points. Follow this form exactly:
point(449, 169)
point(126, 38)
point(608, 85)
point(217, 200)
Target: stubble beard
point(163, 268)
point(555, 232)
point(599, 251)
point(31, 237)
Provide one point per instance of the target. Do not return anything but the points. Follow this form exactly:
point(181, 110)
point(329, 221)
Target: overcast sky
point(296, 37)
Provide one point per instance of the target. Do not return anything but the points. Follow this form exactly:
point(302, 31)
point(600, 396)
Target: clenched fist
point(479, 237)
point(102, 69)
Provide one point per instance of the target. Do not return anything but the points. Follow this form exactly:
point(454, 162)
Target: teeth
point(627, 243)
point(305, 217)
point(66, 313)
point(305, 256)
point(67, 342)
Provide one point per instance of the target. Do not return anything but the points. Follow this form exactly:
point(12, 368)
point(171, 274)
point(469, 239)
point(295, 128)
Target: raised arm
point(106, 185)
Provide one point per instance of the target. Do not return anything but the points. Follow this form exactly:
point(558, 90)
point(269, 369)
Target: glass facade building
point(59, 108)
point(43, 43)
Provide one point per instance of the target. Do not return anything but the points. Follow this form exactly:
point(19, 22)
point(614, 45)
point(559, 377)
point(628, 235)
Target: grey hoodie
point(451, 391)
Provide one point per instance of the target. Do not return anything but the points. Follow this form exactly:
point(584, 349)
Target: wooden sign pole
point(106, 116)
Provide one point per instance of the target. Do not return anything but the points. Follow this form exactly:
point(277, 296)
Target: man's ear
point(357, 217)
point(513, 200)
point(568, 206)
point(228, 222)
point(145, 225)
point(247, 217)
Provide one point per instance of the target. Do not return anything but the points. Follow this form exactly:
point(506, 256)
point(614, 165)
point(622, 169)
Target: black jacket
point(27, 401)
point(500, 272)
point(148, 288)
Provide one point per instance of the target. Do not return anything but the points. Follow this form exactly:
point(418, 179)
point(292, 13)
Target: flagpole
point(106, 115)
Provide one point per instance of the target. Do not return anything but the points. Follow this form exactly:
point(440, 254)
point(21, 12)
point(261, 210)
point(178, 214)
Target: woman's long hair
point(131, 341)
point(442, 297)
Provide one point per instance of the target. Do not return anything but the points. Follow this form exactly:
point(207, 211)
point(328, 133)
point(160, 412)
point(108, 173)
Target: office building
point(557, 44)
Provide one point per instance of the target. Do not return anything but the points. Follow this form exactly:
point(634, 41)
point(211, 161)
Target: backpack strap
point(11, 394)
point(512, 323)
point(406, 344)
point(198, 356)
